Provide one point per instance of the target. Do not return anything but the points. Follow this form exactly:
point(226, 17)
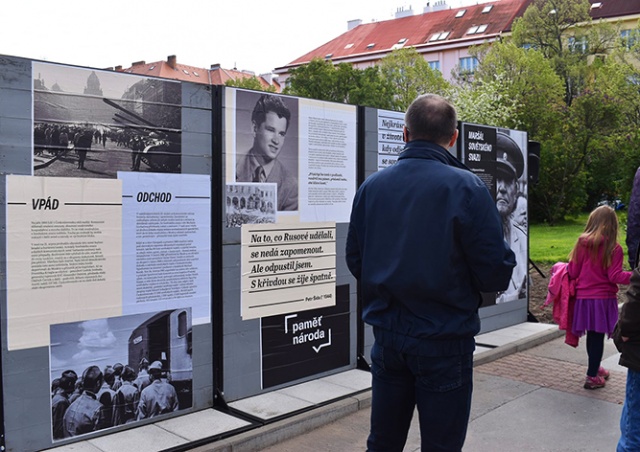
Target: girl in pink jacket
point(596, 264)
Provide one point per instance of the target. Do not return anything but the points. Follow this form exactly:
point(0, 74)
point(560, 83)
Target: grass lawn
point(551, 244)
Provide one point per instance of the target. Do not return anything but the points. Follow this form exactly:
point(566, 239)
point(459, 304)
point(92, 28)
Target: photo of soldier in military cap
point(498, 157)
point(510, 186)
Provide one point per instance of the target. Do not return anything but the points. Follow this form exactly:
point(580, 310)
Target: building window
point(468, 65)
point(487, 9)
point(461, 13)
point(435, 65)
point(439, 36)
point(629, 38)
point(399, 44)
point(477, 29)
point(578, 45)
point(182, 324)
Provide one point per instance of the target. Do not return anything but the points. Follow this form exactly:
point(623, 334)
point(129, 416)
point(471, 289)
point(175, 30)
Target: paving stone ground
point(554, 374)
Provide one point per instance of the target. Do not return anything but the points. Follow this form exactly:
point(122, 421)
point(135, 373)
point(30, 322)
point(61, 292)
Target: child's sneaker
point(604, 373)
point(594, 382)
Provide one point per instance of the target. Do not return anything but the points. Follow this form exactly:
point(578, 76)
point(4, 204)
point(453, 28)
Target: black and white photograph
point(498, 157)
point(267, 143)
point(119, 370)
point(91, 123)
point(250, 204)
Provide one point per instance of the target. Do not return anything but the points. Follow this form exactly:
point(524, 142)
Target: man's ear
point(405, 134)
point(454, 138)
point(254, 128)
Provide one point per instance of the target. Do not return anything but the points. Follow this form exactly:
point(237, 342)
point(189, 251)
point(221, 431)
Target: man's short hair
point(266, 104)
point(432, 118)
point(128, 374)
point(92, 379)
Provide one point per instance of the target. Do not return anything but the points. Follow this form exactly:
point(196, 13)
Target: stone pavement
point(530, 400)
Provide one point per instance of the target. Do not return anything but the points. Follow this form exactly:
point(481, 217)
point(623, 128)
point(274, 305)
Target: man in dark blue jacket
point(425, 239)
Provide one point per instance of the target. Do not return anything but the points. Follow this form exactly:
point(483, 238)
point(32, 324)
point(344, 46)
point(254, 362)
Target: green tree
point(485, 102)
point(563, 31)
point(410, 75)
point(530, 90)
point(250, 83)
point(320, 79)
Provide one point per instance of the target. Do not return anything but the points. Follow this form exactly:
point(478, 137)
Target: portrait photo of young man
point(267, 144)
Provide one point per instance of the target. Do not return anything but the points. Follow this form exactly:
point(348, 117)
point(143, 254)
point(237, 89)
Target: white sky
point(256, 35)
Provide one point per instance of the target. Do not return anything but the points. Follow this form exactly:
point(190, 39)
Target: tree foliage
point(410, 75)
point(250, 83)
point(321, 79)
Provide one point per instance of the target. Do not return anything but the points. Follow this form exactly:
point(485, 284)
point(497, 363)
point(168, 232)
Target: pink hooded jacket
point(561, 292)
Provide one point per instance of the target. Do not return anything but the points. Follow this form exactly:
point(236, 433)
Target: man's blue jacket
point(425, 238)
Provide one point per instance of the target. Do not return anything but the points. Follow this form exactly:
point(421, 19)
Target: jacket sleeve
point(575, 265)
point(353, 254)
point(490, 258)
point(633, 220)
point(615, 272)
point(629, 321)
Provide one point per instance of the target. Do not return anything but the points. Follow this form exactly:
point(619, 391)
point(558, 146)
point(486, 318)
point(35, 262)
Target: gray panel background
point(242, 352)
point(26, 382)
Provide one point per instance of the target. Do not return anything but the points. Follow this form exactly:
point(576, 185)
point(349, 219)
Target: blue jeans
point(630, 419)
point(440, 386)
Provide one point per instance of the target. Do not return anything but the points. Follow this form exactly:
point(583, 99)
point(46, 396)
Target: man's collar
point(431, 150)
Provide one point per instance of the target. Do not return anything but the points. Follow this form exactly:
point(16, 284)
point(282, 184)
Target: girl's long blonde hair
point(601, 230)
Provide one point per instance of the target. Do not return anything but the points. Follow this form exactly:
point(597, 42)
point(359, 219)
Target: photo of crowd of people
point(100, 123)
point(119, 370)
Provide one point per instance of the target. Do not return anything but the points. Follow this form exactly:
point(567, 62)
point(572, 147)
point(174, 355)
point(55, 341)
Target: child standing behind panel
point(596, 264)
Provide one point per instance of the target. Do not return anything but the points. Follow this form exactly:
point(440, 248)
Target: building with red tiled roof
point(443, 35)
point(213, 76)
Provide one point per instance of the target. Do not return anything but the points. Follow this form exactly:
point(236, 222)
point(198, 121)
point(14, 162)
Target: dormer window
point(439, 36)
point(477, 29)
point(399, 44)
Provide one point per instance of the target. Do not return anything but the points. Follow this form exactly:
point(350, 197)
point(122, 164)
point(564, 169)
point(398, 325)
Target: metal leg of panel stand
point(363, 364)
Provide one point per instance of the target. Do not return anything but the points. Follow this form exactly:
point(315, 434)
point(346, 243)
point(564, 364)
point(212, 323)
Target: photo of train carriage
point(110, 363)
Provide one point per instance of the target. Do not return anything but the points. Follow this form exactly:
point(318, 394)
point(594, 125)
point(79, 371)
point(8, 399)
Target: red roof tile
point(418, 30)
point(183, 72)
point(614, 8)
